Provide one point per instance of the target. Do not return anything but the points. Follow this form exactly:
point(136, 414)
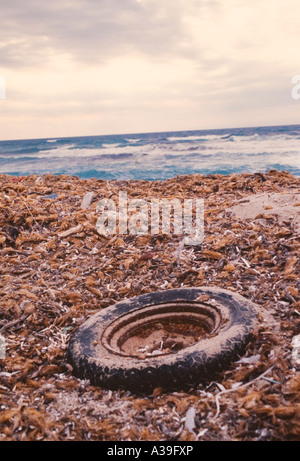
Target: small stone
point(87, 200)
point(190, 424)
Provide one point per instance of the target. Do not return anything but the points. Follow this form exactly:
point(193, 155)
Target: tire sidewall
point(92, 360)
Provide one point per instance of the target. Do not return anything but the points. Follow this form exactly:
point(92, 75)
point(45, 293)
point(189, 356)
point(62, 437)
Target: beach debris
point(190, 416)
point(56, 271)
point(50, 196)
point(178, 251)
point(73, 230)
point(249, 360)
point(87, 200)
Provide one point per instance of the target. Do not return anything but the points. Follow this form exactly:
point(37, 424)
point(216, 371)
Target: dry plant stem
point(13, 323)
point(28, 209)
point(238, 388)
point(73, 230)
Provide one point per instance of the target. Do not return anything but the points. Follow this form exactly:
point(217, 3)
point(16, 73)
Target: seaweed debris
point(57, 270)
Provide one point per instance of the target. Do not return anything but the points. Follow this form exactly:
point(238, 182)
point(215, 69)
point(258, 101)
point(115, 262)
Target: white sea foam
point(207, 137)
point(107, 146)
point(214, 145)
point(158, 157)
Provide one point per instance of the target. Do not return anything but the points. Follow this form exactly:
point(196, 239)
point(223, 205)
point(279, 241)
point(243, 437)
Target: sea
point(157, 156)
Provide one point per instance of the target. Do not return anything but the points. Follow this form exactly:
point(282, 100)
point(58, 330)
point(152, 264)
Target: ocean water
point(157, 155)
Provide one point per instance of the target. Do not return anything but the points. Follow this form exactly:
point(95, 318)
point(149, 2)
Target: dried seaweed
point(56, 271)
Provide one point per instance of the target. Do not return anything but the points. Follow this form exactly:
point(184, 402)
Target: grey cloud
point(90, 30)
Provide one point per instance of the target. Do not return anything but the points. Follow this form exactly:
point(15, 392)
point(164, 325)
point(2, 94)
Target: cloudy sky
point(92, 67)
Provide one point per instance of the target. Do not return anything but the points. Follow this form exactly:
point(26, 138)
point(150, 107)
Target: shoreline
point(56, 271)
point(157, 156)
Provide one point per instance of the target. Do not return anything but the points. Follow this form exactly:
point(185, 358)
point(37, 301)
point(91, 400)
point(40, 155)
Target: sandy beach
point(57, 271)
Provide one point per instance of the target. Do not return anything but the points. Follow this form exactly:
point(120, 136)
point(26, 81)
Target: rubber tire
point(183, 369)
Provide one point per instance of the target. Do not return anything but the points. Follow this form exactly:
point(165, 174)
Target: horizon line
point(151, 132)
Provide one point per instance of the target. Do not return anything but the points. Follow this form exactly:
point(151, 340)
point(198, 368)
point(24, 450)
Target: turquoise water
point(157, 155)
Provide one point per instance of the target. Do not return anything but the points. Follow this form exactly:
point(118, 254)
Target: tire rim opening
point(161, 329)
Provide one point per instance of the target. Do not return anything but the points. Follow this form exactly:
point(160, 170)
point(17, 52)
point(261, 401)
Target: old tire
point(96, 350)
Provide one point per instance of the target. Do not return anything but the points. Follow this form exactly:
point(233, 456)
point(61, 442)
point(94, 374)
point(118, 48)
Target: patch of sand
point(284, 206)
